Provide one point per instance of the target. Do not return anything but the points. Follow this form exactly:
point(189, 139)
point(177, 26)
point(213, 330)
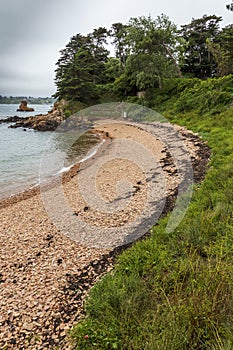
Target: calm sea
point(22, 152)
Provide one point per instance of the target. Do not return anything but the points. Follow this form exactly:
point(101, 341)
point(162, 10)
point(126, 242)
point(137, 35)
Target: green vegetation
point(31, 100)
point(148, 51)
point(230, 6)
point(175, 291)
point(81, 67)
point(171, 291)
point(198, 58)
point(191, 95)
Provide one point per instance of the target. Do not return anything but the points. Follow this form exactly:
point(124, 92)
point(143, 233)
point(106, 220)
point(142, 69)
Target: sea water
point(22, 152)
point(9, 110)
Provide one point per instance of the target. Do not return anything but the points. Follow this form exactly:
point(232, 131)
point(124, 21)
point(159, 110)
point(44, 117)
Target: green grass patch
point(175, 291)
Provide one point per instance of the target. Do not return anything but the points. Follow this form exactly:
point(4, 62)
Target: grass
point(175, 291)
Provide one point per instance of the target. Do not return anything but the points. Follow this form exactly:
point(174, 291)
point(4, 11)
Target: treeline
point(230, 6)
point(174, 290)
point(148, 52)
point(32, 100)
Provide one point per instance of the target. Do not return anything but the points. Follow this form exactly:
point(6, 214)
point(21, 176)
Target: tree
point(198, 59)
point(77, 80)
point(118, 33)
point(81, 67)
point(112, 70)
point(230, 7)
point(98, 41)
point(222, 50)
point(154, 50)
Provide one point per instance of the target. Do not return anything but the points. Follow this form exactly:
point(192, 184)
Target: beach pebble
point(44, 275)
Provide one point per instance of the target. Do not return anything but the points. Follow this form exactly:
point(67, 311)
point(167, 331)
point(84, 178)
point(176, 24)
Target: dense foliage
point(81, 67)
point(175, 290)
point(212, 95)
point(171, 291)
point(147, 52)
point(230, 6)
point(198, 59)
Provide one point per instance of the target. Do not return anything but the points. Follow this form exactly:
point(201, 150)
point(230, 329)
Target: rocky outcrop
point(13, 119)
point(46, 122)
point(49, 121)
point(42, 122)
point(24, 107)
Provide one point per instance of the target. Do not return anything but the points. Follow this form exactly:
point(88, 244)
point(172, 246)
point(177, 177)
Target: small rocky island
point(40, 122)
point(24, 107)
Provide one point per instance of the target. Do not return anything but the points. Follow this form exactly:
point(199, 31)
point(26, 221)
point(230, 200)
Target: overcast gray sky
point(33, 31)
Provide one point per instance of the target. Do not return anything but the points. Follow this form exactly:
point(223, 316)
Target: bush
point(175, 291)
point(192, 95)
point(71, 107)
point(206, 96)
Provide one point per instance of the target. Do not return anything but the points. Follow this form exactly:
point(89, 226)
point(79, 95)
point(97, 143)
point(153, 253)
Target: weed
point(175, 291)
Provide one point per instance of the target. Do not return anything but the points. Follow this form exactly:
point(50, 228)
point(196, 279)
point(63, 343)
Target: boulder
point(13, 119)
point(41, 123)
point(24, 107)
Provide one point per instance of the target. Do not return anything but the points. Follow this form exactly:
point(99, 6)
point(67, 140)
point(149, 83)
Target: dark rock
point(1, 278)
point(13, 119)
point(137, 188)
point(24, 107)
point(59, 261)
point(49, 237)
point(39, 123)
point(13, 341)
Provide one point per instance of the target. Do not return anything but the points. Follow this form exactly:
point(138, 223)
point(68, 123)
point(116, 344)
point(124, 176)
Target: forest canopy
point(230, 6)
point(147, 52)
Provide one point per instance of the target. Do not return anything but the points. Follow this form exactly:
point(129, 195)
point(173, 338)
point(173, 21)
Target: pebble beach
point(45, 275)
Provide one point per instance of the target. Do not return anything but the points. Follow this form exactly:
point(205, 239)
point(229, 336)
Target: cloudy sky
point(33, 31)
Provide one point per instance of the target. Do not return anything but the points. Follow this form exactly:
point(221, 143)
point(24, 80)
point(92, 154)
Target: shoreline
point(45, 276)
point(67, 175)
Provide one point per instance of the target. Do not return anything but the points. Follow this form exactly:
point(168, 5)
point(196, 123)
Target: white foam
point(89, 155)
point(92, 152)
point(64, 169)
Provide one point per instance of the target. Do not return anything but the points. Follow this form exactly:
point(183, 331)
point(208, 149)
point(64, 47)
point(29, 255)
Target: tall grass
point(175, 291)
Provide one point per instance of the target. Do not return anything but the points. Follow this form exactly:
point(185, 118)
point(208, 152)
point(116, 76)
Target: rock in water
point(24, 107)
